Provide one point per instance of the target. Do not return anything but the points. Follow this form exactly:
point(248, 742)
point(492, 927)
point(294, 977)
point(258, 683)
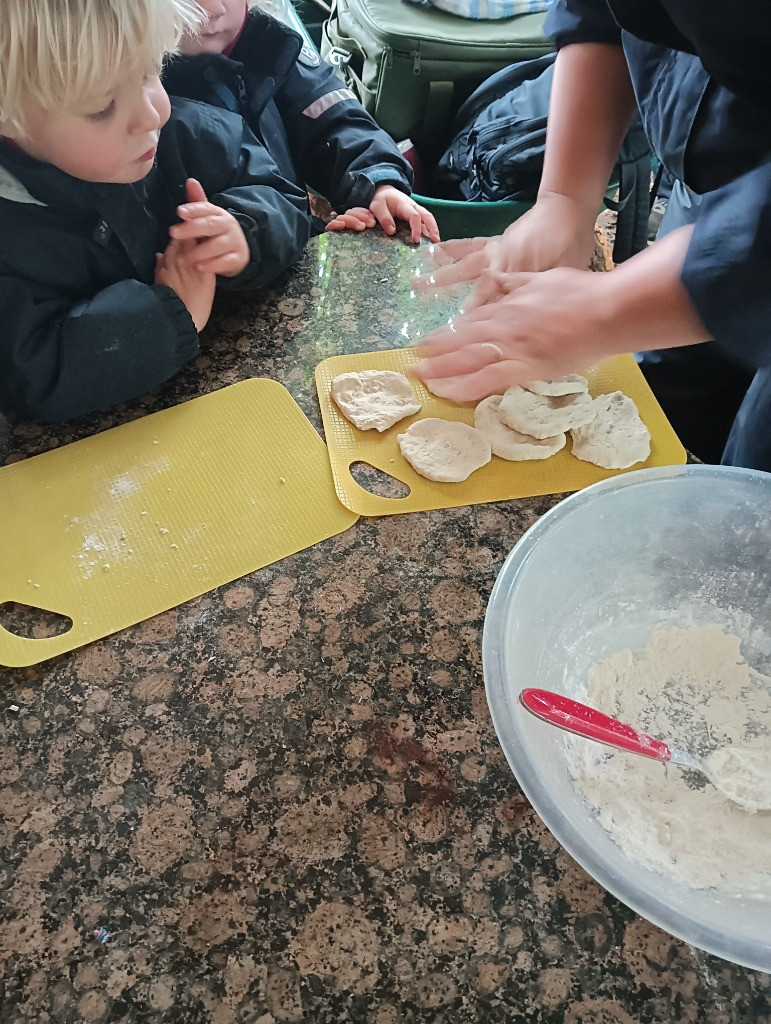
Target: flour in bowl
point(693, 689)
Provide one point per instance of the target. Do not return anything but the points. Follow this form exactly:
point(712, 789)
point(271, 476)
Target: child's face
point(111, 139)
point(225, 20)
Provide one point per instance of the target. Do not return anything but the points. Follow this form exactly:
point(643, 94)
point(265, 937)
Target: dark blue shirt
point(701, 72)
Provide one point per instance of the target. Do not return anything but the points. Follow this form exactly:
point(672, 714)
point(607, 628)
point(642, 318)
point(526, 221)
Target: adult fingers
point(457, 248)
point(493, 379)
point(461, 361)
point(466, 269)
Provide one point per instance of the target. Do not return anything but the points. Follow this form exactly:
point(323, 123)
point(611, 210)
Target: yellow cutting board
point(126, 524)
point(499, 479)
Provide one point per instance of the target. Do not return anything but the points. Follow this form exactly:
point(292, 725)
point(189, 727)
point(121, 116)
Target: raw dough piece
point(508, 443)
point(374, 399)
point(570, 384)
point(541, 416)
point(444, 450)
point(616, 437)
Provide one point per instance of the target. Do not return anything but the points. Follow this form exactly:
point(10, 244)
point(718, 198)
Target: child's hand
point(194, 287)
point(388, 204)
point(220, 246)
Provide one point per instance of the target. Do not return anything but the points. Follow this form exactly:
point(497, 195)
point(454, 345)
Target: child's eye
point(102, 115)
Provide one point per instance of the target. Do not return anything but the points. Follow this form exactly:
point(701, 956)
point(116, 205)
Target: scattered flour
point(693, 689)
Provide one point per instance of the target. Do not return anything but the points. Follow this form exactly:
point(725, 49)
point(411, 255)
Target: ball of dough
point(508, 443)
point(541, 416)
point(570, 384)
point(374, 399)
point(616, 437)
point(443, 450)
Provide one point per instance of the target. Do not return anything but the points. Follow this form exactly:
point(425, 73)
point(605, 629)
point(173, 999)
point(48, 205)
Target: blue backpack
point(497, 148)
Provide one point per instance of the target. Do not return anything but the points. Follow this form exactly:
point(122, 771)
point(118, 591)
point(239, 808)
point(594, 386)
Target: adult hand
point(194, 287)
point(563, 320)
point(220, 246)
point(557, 232)
point(389, 205)
point(545, 325)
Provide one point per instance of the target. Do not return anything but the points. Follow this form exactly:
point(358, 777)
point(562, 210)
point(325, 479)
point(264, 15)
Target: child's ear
point(9, 130)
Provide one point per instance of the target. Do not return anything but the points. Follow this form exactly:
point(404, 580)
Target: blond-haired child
point(110, 250)
point(314, 126)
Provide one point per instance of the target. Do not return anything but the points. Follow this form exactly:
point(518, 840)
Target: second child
point(311, 123)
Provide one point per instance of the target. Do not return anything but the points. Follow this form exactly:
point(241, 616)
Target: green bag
point(412, 67)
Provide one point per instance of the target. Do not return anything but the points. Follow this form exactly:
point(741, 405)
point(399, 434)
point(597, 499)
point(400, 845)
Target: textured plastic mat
point(118, 527)
point(498, 480)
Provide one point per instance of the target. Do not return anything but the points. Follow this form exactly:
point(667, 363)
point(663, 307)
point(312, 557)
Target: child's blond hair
point(56, 53)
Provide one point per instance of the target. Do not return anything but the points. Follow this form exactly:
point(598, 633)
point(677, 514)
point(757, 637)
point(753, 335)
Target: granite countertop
point(285, 800)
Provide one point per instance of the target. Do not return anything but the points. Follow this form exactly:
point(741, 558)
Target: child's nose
point(148, 116)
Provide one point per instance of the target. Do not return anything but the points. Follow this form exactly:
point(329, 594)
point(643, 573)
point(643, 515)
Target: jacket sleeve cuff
point(180, 321)
point(581, 21)
point(358, 188)
point(728, 266)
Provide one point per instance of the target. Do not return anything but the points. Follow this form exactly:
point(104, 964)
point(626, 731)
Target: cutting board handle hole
point(377, 482)
point(31, 623)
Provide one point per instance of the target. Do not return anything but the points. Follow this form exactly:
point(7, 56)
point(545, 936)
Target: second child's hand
point(220, 246)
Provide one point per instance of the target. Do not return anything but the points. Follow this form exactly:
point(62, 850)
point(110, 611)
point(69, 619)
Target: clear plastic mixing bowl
point(597, 574)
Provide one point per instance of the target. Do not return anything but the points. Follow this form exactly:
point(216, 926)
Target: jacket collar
point(264, 54)
point(122, 212)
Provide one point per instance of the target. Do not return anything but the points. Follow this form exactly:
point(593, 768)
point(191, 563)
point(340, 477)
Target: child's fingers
point(194, 191)
point(197, 211)
point(430, 227)
point(350, 222)
point(386, 221)
point(199, 227)
point(227, 265)
point(211, 249)
point(416, 225)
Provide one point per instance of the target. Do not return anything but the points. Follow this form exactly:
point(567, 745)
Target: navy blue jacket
point(701, 71)
point(314, 127)
point(82, 325)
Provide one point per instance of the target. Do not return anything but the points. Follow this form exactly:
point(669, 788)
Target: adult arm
point(727, 267)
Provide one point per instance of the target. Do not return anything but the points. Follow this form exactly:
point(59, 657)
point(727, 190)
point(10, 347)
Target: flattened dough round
point(616, 437)
point(444, 450)
point(570, 384)
point(508, 443)
point(541, 416)
point(374, 399)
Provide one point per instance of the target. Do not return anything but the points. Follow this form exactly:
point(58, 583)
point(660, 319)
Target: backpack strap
point(437, 116)
point(634, 195)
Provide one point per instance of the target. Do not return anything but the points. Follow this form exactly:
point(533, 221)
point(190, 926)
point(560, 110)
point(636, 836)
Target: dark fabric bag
point(499, 137)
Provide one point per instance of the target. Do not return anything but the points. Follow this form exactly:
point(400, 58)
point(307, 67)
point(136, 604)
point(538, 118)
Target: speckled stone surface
point(285, 800)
